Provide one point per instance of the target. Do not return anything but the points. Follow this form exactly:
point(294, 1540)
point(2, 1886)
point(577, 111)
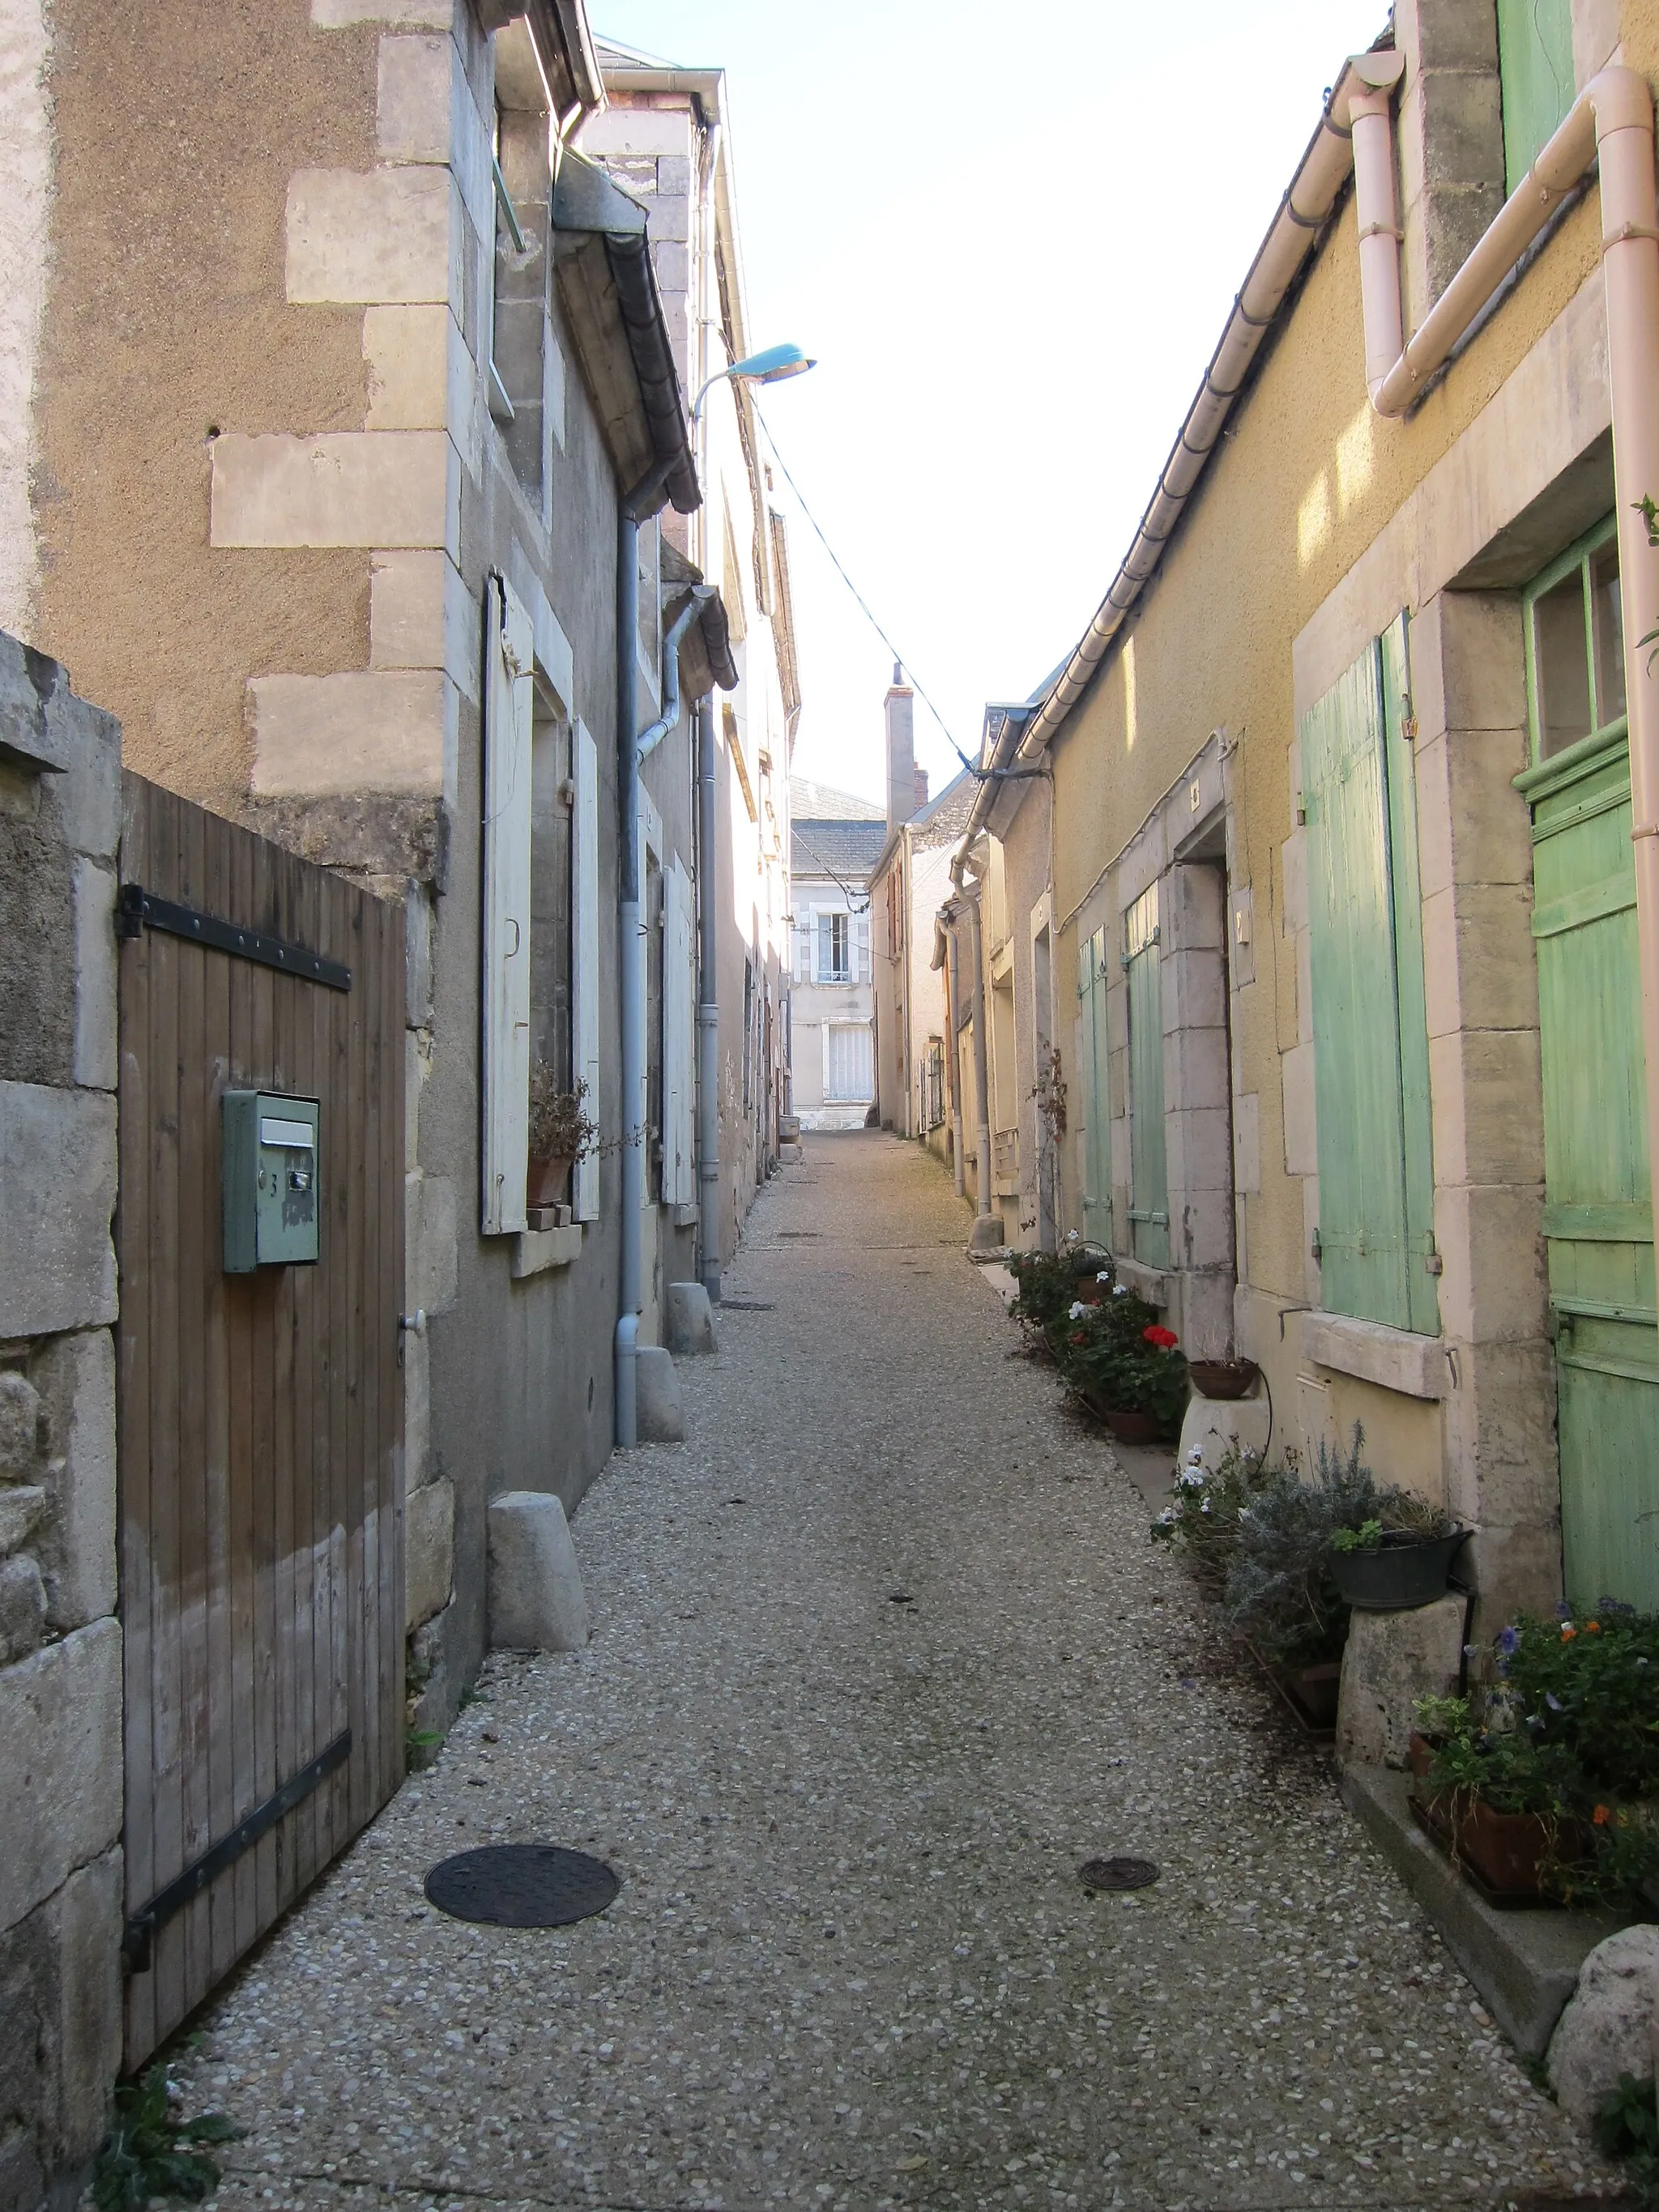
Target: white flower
point(1078, 1309)
point(1071, 1236)
point(1104, 1276)
point(1192, 1477)
point(1166, 1519)
point(1205, 1507)
point(1195, 1455)
point(1119, 1289)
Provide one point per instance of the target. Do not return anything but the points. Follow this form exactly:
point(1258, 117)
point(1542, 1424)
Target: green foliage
point(1280, 1591)
point(1106, 1352)
point(1568, 1726)
point(1368, 1537)
point(1627, 2128)
point(1049, 1285)
point(148, 2151)
point(1200, 1523)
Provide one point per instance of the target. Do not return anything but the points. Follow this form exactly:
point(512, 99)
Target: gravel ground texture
point(880, 1656)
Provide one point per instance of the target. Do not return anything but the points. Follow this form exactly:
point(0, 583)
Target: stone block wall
point(60, 1644)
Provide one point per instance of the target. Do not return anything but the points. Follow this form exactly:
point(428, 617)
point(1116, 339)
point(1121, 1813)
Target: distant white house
point(836, 841)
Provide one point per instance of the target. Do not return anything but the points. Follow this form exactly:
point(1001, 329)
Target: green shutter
point(1535, 62)
point(1370, 1041)
point(1149, 1201)
point(1096, 1106)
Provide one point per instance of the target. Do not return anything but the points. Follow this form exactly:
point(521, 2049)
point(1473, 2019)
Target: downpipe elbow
point(627, 1380)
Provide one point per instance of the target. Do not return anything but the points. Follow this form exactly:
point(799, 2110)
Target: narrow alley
point(880, 1655)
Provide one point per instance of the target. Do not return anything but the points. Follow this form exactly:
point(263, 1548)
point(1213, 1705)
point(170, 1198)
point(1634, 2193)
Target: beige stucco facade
point(1315, 526)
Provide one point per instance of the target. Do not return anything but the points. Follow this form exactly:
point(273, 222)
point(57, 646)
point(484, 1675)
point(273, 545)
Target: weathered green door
point(1149, 1197)
point(1096, 1104)
point(1598, 1220)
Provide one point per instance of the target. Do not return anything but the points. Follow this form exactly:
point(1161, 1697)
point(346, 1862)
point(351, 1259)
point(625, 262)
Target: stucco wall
point(175, 133)
point(1316, 524)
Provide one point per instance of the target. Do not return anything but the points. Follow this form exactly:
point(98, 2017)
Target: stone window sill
point(1149, 1283)
point(1395, 1358)
point(536, 1251)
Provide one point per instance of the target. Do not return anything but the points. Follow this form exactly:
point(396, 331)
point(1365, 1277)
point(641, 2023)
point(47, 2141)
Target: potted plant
point(561, 1133)
point(1223, 1378)
point(1201, 1522)
point(1499, 1803)
point(1281, 1596)
point(1544, 1781)
point(1398, 1556)
point(1122, 1360)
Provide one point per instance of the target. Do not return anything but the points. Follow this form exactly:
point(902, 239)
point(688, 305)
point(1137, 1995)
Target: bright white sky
point(1012, 257)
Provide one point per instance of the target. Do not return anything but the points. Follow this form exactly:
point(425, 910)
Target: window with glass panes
point(1575, 647)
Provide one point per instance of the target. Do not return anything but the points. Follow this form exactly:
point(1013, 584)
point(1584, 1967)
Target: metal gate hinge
point(1317, 1250)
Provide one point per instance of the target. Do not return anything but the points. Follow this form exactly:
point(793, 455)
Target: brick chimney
point(900, 706)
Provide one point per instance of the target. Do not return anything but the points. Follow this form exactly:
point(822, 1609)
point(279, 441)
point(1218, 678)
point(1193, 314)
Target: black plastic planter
point(1401, 1572)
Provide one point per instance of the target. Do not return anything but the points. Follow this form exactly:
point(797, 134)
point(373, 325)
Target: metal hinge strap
point(161, 1908)
point(137, 909)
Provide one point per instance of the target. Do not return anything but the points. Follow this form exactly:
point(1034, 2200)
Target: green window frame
point(1573, 614)
point(1375, 1242)
point(1535, 78)
point(1149, 1182)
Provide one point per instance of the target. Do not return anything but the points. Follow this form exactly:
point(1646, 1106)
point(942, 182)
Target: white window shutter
point(861, 948)
point(585, 1028)
point(679, 1176)
point(506, 912)
point(826, 948)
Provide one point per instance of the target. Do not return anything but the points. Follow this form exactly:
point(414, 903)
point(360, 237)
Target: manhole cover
point(1117, 1874)
point(743, 1305)
point(522, 1885)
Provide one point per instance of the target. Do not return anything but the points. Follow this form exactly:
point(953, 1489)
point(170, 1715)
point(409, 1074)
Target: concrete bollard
point(690, 1321)
point(661, 1410)
point(536, 1598)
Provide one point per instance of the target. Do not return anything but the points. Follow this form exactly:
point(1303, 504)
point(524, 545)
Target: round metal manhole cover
point(522, 1885)
point(1105, 1875)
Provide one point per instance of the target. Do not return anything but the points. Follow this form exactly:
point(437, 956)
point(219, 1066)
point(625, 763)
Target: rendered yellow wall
point(1306, 479)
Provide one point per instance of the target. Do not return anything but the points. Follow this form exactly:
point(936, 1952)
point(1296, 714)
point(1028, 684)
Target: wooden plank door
point(1598, 1216)
point(260, 1414)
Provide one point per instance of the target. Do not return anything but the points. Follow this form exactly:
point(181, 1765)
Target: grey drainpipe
point(645, 498)
point(708, 1012)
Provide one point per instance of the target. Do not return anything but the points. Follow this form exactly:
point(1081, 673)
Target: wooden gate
point(260, 1413)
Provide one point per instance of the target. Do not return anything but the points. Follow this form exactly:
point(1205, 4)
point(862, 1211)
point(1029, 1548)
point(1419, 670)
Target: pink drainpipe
point(1611, 122)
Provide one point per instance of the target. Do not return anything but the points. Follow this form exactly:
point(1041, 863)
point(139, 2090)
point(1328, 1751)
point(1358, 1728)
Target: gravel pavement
point(880, 1656)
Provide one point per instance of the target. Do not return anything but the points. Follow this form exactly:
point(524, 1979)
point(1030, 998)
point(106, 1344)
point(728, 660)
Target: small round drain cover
point(522, 1885)
point(1117, 1874)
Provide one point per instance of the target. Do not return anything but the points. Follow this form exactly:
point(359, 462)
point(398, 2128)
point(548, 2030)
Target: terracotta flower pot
point(1130, 1426)
point(1222, 1378)
point(1509, 1855)
point(546, 1180)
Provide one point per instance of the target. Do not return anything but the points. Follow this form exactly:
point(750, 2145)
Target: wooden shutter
point(507, 827)
point(1536, 76)
point(678, 1029)
point(1370, 1043)
point(1149, 1195)
point(1097, 1092)
point(585, 875)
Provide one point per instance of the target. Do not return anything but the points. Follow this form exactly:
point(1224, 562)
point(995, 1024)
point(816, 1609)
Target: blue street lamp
point(771, 367)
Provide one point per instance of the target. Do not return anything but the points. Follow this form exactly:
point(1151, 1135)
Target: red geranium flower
point(1164, 1338)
